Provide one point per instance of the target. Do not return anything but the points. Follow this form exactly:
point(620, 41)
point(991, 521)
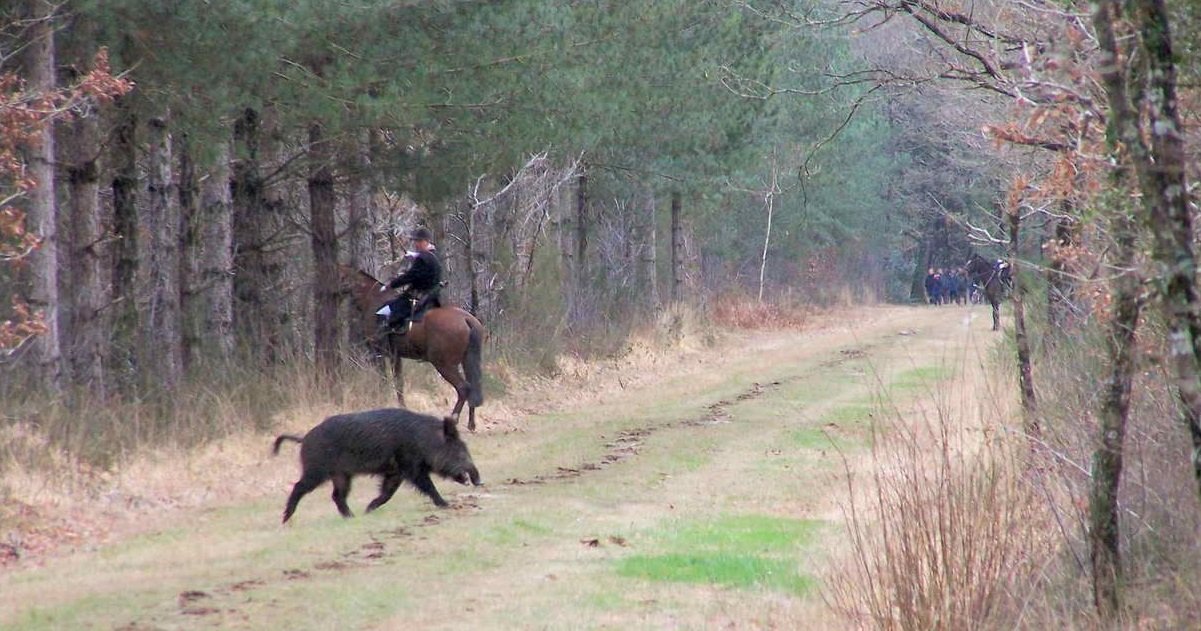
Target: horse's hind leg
point(996, 317)
point(450, 372)
point(398, 377)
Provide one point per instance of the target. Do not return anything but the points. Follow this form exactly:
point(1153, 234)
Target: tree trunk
point(581, 228)
point(190, 249)
point(361, 214)
point(1021, 339)
point(770, 203)
point(86, 346)
point(917, 286)
point(1104, 527)
point(469, 254)
point(650, 264)
point(125, 238)
point(322, 204)
point(677, 249)
point(1163, 177)
point(254, 319)
point(162, 350)
point(43, 215)
point(215, 273)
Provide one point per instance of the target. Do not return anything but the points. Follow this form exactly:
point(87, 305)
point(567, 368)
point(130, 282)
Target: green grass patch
point(922, 377)
point(814, 438)
point(515, 532)
point(849, 413)
point(741, 551)
point(743, 571)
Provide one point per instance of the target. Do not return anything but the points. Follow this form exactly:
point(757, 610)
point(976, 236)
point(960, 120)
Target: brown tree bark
point(216, 264)
point(125, 316)
point(361, 212)
point(1142, 103)
point(162, 344)
point(190, 317)
point(469, 236)
point(256, 319)
point(1147, 109)
point(648, 257)
point(42, 217)
point(86, 343)
point(677, 248)
point(1163, 177)
point(581, 228)
point(1104, 526)
point(322, 204)
point(1022, 340)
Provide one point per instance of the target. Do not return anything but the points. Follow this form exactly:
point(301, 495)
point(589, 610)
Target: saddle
point(414, 308)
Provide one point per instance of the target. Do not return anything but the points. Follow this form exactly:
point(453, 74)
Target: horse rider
point(422, 283)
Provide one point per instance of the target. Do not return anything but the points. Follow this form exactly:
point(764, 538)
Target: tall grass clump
point(946, 529)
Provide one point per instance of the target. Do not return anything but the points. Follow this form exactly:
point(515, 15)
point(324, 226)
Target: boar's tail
point(473, 363)
point(280, 439)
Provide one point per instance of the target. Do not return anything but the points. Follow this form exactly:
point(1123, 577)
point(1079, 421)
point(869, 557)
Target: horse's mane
point(369, 277)
point(362, 275)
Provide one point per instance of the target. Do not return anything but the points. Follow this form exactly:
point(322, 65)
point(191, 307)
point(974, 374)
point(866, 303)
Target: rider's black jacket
point(423, 275)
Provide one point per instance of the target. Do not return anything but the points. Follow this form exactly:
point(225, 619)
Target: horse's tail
point(473, 362)
point(281, 438)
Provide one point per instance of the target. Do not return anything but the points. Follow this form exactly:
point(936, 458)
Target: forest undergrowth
point(966, 521)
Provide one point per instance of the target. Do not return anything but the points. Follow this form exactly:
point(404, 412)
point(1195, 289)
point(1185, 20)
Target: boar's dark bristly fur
point(393, 443)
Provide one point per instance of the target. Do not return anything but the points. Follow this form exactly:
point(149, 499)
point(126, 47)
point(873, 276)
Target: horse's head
point(977, 265)
point(362, 287)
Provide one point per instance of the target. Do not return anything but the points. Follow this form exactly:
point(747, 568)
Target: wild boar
point(394, 443)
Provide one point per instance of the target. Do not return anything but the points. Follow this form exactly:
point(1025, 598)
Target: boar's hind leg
point(387, 487)
point(341, 490)
point(302, 487)
point(423, 482)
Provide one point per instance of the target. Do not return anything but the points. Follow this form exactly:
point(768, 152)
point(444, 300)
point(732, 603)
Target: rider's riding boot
point(396, 324)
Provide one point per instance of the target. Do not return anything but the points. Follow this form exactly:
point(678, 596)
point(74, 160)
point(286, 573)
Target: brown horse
point(447, 337)
point(994, 280)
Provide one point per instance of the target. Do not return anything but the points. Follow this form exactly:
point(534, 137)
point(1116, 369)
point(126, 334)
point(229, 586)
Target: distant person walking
point(933, 286)
point(950, 283)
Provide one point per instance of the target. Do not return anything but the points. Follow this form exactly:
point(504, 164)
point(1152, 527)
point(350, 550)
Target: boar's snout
point(470, 475)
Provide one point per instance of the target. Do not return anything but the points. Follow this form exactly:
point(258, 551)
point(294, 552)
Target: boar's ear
point(450, 427)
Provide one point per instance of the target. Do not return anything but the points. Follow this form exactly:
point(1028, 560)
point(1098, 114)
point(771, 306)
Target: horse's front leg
point(996, 317)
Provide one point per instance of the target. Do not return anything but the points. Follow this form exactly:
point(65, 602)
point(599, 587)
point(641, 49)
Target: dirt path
point(704, 492)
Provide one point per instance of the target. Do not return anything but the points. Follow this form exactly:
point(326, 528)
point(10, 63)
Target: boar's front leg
point(423, 482)
point(387, 487)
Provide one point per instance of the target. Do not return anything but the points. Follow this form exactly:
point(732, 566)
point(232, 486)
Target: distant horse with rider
point(447, 337)
point(994, 279)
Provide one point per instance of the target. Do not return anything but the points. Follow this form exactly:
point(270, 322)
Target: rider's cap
point(421, 234)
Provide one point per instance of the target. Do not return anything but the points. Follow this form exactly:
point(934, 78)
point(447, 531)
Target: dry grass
point(745, 312)
point(962, 522)
point(946, 529)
